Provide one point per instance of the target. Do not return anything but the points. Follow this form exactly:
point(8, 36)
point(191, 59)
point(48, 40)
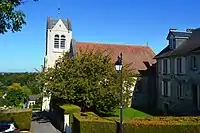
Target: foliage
point(87, 80)
point(10, 18)
point(2, 86)
point(14, 86)
point(2, 102)
point(22, 117)
point(16, 95)
point(1, 93)
point(70, 108)
point(25, 79)
point(163, 124)
point(92, 124)
point(131, 128)
point(37, 107)
point(26, 90)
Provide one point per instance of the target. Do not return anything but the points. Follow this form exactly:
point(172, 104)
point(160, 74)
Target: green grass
point(131, 113)
point(128, 114)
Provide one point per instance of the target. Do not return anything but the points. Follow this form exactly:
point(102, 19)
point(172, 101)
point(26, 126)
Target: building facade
point(178, 72)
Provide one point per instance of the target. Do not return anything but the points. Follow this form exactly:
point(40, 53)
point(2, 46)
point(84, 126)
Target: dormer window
point(172, 43)
point(62, 42)
point(193, 63)
point(56, 41)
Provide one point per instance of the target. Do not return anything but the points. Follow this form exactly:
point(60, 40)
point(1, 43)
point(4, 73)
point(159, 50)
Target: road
point(41, 124)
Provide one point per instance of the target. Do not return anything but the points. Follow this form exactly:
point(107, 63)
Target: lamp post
point(118, 67)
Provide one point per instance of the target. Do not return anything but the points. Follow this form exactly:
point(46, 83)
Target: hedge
point(92, 124)
point(37, 107)
point(163, 125)
point(70, 108)
point(22, 117)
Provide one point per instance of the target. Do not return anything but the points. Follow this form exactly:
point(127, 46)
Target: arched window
point(56, 41)
point(62, 43)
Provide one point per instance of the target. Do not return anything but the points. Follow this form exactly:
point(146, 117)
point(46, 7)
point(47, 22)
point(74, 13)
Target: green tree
point(1, 93)
point(26, 90)
point(15, 95)
point(25, 79)
point(10, 18)
point(88, 80)
point(2, 86)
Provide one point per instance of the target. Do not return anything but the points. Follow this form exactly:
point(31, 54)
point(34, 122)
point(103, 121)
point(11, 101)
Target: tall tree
point(88, 79)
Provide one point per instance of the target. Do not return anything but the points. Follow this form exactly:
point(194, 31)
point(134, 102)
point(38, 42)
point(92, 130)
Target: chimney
point(189, 29)
point(172, 29)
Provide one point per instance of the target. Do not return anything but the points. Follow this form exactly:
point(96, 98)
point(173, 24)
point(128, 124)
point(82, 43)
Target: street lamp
point(118, 67)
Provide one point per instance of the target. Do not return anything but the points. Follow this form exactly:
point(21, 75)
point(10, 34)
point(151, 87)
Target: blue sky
point(109, 21)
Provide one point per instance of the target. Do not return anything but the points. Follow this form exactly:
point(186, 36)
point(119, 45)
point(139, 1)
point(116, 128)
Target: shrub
point(22, 117)
point(2, 102)
point(92, 124)
point(163, 125)
point(70, 108)
point(36, 107)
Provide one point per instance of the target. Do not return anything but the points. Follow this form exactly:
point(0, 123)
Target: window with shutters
point(62, 42)
point(56, 41)
point(168, 66)
point(193, 63)
point(180, 91)
point(166, 88)
point(179, 65)
point(165, 70)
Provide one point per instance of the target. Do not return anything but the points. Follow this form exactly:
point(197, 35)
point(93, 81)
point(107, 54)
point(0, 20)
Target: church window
point(56, 41)
point(62, 43)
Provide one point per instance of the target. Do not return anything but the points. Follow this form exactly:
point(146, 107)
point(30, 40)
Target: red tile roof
point(132, 54)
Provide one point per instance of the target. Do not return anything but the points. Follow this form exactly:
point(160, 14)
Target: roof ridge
point(103, 43)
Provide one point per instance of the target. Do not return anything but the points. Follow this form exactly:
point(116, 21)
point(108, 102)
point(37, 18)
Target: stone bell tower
point(58, 41)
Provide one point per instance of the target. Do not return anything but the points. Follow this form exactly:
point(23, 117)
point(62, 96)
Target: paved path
point(41, 124)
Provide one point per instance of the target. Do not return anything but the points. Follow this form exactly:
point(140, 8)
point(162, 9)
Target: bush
point(70, 108)
point(163, 125)
point(2, 102)
point(92, 124)
point(22, 117)
point(36, 107)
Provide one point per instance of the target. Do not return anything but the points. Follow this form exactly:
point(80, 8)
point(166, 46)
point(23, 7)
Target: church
point(59, 39)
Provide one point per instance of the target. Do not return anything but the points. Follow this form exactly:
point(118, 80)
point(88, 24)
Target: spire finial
point(59, 9)
point(58, 12)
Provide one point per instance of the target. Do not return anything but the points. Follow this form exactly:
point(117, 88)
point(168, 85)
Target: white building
point(58, 40)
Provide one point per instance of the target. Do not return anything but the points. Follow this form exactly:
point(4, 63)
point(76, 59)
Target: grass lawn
point(129, 113)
